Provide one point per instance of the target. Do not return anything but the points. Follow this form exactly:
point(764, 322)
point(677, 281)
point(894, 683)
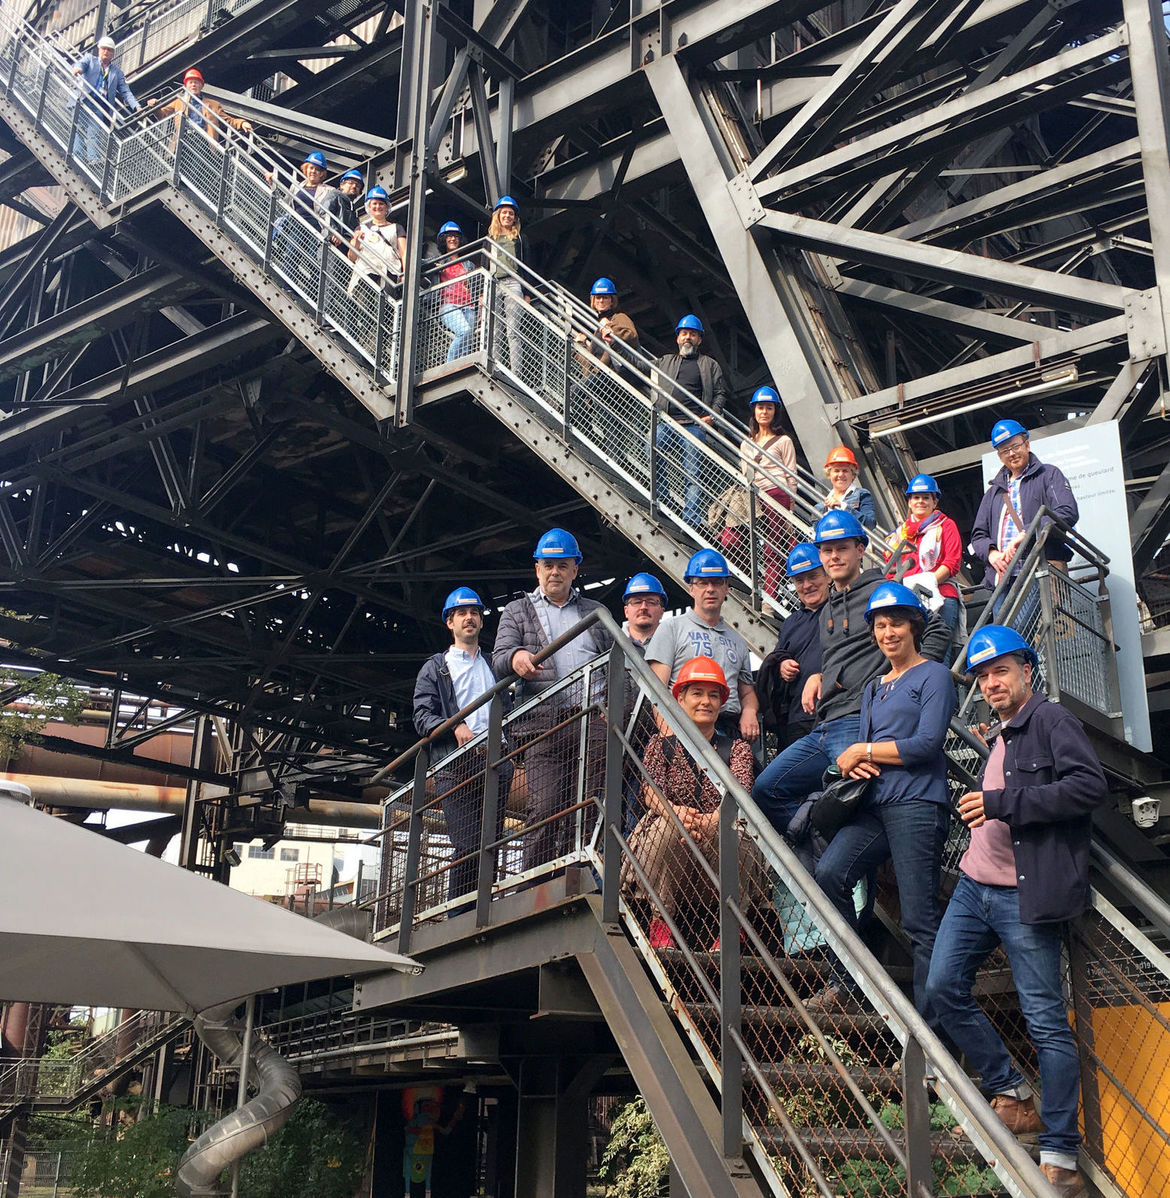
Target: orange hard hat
point(841, 456)
point(701, 669)
point(193, 73)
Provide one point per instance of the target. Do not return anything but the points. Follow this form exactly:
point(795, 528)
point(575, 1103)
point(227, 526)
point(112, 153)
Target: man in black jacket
point(1025, 873)
point(850, 658)
point(447, 683)
point(680, 377)
point(797, 656)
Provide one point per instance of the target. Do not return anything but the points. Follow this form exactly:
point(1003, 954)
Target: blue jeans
point(949, 613)
point(681, 449)
point(794, 774)
point(913, 834)
point(977, 918)
point(459, 320)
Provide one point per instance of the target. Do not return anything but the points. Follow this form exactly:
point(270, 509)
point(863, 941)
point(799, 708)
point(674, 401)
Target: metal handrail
point(986, 1132)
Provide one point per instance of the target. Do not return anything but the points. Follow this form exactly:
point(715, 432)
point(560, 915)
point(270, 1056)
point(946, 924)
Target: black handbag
point(838, 803)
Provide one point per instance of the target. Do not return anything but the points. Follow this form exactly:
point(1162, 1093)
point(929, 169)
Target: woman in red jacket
point(927, 549)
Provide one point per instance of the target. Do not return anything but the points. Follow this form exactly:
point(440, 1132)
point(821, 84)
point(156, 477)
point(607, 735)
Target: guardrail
point(816, 1098)
point(1067, 619)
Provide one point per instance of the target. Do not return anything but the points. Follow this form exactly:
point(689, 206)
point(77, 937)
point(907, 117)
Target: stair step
point(789, 1018)
point(803, 1075)
point(859, 1143)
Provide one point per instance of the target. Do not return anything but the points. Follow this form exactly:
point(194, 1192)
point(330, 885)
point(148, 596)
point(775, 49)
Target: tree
point(314, 1155)
point(30, 701)
point(635, 1163)
point(136, 1160)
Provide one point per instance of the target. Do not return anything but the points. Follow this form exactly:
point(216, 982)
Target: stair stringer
point(638, 525)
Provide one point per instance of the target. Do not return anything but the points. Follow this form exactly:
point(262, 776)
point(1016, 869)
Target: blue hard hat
point(888, 595)
point(352, 175)
point(505, 202)
point(316, 158)
point(835, 526)
point(802, 558)
point(994, 640)
point(603, 286)
point(764, 395)
point(377, 193)
point(644, 584)
point(707, 563)
point(449, 227)
point(1005, 430)
point(557, 543)
point(922, 484)
point(461, 597)
point(690, 321)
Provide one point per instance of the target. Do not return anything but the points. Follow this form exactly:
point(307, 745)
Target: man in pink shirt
point(1025, 874)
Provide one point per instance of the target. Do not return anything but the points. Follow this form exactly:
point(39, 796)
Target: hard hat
point(1005, 430)
point(692, 322)
point(802, 558)
point(461, 597)
point(377, 193)
point(352, 175)
point(841, 456)
point(836, 526)
point(107, 43)
point(707, 563)
point(994, 640)
point(644, 584)
point(450, 227)
point(603, 286)
point(192, 73)
point(890, 595)
point(701, 669)
point(557, 543)
point(505, 202)
point(764, 395)
point(316, 158)
point(922, 484)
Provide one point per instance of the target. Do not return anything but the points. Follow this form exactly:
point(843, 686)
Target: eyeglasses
point(1012, 446)
point(635, 601)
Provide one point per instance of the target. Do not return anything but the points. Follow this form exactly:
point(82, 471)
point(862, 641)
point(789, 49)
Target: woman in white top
point(378, 248)
point(769, 462)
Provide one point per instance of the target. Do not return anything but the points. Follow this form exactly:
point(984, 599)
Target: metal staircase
point(612, 430)
point(27, 1083)
point(864, 1102)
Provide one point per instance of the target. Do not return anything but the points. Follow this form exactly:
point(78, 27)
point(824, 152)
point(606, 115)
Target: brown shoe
point(1018, 1115)
point(1068, 1183)
point(833, 1000)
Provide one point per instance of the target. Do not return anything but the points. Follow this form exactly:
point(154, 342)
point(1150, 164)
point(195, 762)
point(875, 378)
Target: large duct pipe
point(128, 796)
point(236, 1134)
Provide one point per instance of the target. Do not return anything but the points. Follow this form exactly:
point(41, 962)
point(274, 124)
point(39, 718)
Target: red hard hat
point(701, 669)
point(841, 456)
point(193, 73)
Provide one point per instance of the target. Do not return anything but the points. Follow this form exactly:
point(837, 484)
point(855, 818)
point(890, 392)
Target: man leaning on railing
point(553, 736)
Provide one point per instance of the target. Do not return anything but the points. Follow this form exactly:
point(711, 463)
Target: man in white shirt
point(448, 682)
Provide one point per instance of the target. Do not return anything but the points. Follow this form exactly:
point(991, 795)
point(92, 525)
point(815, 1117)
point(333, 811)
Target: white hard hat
point(107, 43)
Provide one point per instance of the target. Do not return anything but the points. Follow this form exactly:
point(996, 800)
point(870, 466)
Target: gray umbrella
point(85, 920)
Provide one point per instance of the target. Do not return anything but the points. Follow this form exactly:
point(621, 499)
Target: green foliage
point(136, 1160)
point(314, 1155)
point(635, 1163)
point(41, 698)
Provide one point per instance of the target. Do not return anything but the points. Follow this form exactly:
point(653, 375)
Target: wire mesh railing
point(1065, 615)
point(732, 927)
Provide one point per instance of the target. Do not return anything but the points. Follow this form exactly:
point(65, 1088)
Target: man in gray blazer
point(553, 736)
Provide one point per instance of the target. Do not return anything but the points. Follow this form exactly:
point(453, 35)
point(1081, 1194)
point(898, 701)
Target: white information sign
point(1090, 459)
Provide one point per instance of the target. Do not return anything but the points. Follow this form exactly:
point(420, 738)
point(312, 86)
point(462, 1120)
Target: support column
point(552, 1125)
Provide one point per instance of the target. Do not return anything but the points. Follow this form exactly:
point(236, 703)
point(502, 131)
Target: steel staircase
point(63, 1085)
point(865, 1101)
point(611, 430)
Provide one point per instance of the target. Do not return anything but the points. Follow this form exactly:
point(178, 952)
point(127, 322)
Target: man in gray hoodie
point(850, 658)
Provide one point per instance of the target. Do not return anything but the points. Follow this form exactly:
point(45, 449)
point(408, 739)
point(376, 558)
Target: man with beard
point(683, 377)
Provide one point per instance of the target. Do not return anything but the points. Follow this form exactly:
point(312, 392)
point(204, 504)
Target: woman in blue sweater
point(906, 812)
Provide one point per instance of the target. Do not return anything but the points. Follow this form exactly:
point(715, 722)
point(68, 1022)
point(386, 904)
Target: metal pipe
point(125, 796)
